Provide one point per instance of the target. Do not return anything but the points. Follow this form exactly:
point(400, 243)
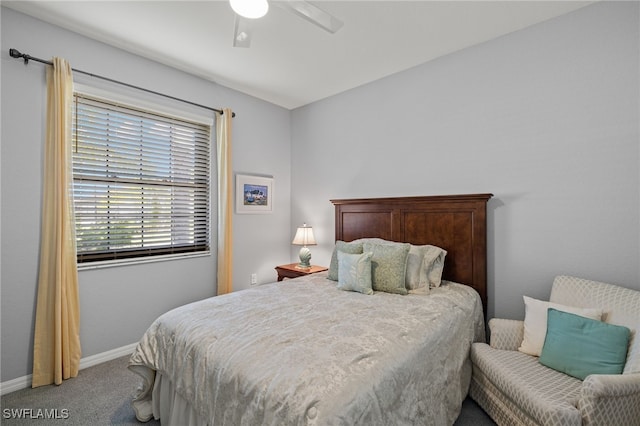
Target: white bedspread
point(301, 352)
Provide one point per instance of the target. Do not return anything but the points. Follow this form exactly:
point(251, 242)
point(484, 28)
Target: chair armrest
point(506, 334)
point(610, 399)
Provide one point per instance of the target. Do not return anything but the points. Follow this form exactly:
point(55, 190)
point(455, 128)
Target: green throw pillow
point(388, 265)
point(354, 272)
point(351, 248)
point(580, 346)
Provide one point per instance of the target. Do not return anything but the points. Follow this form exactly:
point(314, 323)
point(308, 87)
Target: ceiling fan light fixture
point(251, 9)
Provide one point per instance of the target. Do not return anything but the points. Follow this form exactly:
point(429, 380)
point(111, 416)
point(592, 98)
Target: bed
point(304, 352)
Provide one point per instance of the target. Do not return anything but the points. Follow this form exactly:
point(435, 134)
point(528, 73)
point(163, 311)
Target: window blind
point(140, 182)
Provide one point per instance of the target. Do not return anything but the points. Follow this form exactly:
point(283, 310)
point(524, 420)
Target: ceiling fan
point(248, 10)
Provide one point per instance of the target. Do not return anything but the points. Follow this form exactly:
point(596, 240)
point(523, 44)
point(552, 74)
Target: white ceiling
point(292, 62)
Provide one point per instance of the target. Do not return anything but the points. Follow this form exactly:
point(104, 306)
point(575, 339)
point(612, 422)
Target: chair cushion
point(543, 394)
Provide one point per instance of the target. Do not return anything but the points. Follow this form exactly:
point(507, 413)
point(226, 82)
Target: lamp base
point(305, 258)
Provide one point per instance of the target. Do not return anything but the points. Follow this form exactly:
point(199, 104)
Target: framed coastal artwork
point(254, 194)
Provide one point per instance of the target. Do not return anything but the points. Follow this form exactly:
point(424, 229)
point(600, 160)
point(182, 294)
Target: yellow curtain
point(56, 346)
point(225, 202)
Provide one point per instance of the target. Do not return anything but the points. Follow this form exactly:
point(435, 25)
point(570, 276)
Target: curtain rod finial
point(233, 114)
point(15, 53)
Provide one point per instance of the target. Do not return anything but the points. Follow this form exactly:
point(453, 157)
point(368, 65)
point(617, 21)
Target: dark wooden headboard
point(456, 223)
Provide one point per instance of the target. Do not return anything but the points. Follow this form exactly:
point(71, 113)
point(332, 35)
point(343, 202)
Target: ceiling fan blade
point(241, 32)
point(313, 14)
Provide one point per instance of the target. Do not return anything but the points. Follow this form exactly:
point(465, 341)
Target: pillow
point(416, 275)
point(388, 266)
point(580, 346)
point(535, 322)
point(424, 264)
point(352, 248)
point(354, 272)
point(633, 357)
point(424, 267)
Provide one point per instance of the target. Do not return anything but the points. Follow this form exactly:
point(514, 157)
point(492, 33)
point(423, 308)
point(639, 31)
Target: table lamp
point(304, 237)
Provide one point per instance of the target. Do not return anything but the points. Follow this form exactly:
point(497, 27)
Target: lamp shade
point(304, 236)
point(251, 9)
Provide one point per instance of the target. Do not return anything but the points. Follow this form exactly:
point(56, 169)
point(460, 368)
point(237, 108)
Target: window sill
point(139, 261)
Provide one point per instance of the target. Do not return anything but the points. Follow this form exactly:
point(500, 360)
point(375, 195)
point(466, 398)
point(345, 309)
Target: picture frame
point(254, 194)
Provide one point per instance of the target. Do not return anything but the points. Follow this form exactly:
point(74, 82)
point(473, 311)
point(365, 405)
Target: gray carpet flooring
point(101, 395)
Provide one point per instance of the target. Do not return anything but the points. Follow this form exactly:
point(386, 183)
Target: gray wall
point(546, 119)
point(118, 304)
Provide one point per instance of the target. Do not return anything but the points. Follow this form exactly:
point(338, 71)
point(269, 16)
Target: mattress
point(302, 352)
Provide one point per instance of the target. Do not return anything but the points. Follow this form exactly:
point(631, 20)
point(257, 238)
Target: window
point(140, 182)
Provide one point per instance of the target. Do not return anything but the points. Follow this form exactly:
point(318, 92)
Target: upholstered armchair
point(515, 388)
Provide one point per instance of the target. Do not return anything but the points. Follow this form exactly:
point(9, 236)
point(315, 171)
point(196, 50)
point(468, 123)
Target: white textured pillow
point(535, 322)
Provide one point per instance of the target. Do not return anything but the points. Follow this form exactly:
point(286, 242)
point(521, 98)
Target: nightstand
point(292, 271)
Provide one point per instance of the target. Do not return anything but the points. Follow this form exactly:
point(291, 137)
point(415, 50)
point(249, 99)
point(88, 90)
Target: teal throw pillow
point(388, 266)
point(351, 248)
point(354, 272)
point(580, 346)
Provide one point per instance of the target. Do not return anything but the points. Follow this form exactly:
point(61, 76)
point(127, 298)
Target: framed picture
point(254, 194)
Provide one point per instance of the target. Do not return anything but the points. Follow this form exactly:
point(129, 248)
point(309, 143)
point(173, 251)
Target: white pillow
point(434, 264)
point(424, 267)
point(416, 274)
point(535, 322)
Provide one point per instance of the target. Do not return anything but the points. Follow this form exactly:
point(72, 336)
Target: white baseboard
point(96, 359)
point(25, 381)
point(15, 384)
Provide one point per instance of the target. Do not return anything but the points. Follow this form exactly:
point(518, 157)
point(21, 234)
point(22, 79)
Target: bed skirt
point(165, 403)
point(173, 409)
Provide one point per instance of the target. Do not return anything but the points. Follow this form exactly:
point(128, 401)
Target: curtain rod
point(15, 53)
